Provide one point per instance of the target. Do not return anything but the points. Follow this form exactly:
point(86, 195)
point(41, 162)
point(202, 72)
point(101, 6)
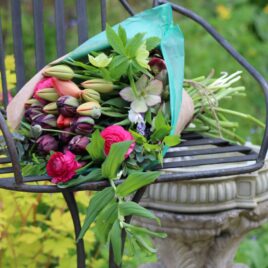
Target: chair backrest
point(38, 7)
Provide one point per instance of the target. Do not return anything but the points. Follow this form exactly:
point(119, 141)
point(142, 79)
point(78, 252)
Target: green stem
point(246, 116)
point(213, 124)
point(58, 131)
point(132, 83)
point(80, 76)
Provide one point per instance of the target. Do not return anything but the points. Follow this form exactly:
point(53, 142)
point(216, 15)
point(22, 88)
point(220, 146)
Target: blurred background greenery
point(242, 22)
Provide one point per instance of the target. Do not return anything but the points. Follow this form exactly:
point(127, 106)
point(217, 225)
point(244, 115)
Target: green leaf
point(152, 42)
point(139, 139)
point(172, 140)
point(142, 244)
point(99, 201)
point(116, 102)
point(114, 159)
point(159, 121)
point(160, 133)
point(114, 40)
point(115, 236)
point(118, 67)
point(133, 44)
point(132, 208)
point(106, 219)
point(113, 114)
point(122, 34)
point(124, 122)
point(96, 146)
point(94, 175)
point(152, 147)
point(141, 231)
point(135, 181)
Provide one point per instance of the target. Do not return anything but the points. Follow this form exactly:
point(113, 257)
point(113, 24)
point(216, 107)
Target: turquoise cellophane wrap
point(158, 22)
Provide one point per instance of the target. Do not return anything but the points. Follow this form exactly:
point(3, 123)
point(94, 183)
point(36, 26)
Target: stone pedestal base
point(203, 240)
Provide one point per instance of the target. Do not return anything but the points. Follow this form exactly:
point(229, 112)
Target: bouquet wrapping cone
point(172, 46)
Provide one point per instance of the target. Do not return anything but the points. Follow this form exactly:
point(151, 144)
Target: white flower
point(148, 91)
point(101, 61)
point(135, 117)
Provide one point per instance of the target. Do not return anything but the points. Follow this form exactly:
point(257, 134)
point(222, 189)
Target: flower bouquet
point(110, 109)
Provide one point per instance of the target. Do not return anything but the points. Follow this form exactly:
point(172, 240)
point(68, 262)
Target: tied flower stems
point(206, 94)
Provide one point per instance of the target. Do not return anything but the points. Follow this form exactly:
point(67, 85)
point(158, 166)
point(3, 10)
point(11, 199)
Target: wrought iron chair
point(20, 183)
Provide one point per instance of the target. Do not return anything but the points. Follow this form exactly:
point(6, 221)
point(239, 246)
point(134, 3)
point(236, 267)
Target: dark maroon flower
point(78, 144)
point(83, 125)
point(46, 143)
point(157, 65)
point(67, 105)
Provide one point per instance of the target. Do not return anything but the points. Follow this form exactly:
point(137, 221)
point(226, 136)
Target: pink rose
point(61, 167)
point(43, 83)
point(113, 134)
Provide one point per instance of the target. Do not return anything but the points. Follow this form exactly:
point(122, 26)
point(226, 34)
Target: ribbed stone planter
point(209, 195)
point(206, 219)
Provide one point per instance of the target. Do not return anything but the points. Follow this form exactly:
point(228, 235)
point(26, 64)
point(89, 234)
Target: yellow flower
point(265, 9)
point(10, 62)
point(10, 72)
point(223, 12)
point(101, 61)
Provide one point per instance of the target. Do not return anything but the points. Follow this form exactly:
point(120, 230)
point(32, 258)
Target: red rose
point(114, 134)
point(61, 167)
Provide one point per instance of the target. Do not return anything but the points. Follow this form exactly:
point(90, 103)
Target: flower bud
point(36, 109)
point(51, 108)
point(29, 103)
point(63, 72)
point(92, 109)
point(66, 88)
point(46, 143)
point(83, 125)
point(46, 121)
point(63, 122)
point(31, 113)
point(67, 105)
point(157, 65)
point(78, 144)
point(90, 95)
point(65, 137)
point(36, 131)
point(100, 85)
point(48, 94)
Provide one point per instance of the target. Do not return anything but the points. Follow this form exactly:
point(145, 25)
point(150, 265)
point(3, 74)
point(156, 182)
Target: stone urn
point(206, 219)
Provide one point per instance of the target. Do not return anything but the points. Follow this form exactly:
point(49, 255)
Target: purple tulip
point(33, 111)
point(67, 106)
point(78, 144)
point(30, 114)
point(65, 137)
point(83, 125)
point(46, 121)
point(46, 143)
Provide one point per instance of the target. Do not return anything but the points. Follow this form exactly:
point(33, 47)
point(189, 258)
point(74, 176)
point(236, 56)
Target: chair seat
point(196, 157)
